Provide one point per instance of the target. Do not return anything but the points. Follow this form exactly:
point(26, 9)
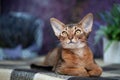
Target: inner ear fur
point(87, 22)
point(57, 26)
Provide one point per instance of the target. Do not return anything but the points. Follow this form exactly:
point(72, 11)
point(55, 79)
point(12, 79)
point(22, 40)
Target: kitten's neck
point(80, 51)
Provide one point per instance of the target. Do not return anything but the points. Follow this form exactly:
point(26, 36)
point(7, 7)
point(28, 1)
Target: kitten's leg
point(51, 57)
point(94, 70)
point(80, 71)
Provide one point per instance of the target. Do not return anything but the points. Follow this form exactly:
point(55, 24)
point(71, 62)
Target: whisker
point(90, 43)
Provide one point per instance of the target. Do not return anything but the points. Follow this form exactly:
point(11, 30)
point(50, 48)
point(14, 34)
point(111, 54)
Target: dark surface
point(111, 67)
point(95, 78)
point(19, 74)
point(48, 68)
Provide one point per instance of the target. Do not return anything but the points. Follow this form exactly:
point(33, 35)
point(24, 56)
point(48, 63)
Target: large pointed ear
point(57, 26)
point(87, 22)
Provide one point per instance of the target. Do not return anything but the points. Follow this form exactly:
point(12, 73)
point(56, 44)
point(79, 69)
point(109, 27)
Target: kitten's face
point(73, 36)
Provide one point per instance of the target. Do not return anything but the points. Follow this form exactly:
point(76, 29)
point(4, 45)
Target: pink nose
point(70, 37)
point(71, 41)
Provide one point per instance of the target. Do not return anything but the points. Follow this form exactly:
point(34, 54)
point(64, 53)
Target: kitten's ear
point(87, 22)
point(57, 26)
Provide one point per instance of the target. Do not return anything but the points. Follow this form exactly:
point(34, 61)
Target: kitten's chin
point(73, 45)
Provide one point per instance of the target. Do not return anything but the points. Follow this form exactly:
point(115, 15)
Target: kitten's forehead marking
point(71, 25)
point(71, 28)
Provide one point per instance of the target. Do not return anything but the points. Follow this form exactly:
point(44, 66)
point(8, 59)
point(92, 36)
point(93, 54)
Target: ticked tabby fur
point(73, 57)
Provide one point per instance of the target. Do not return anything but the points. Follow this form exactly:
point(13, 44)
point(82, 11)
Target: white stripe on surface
point(39, 76)
point(5, 74)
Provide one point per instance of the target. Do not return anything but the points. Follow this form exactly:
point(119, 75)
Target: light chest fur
point(80, 52)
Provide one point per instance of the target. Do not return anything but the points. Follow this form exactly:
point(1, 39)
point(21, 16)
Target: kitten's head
point(73, 36)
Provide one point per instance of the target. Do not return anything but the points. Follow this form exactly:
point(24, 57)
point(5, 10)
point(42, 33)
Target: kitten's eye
point(78, 32)
point(64, 33)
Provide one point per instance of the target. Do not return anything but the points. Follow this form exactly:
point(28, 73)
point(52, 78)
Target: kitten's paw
point(95, 72)
point(72, 71)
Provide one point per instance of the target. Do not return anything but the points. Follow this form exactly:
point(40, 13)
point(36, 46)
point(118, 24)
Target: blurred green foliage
point(112, 28)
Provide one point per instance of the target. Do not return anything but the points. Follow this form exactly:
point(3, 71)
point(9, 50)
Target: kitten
point(74, 56)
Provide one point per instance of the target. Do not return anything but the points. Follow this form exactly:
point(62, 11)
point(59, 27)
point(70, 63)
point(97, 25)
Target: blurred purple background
point(65, 10)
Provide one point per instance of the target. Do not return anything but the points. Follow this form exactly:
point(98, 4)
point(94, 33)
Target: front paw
point(95, 72)
point(72, 71)
point(59, 70)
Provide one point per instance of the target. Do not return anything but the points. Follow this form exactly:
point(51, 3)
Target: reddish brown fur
point(74, 57)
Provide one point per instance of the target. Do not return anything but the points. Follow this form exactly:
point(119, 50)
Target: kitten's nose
point(71, 41)
point(70, 37)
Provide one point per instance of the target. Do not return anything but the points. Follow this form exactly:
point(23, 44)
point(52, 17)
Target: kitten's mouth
point(72, 43)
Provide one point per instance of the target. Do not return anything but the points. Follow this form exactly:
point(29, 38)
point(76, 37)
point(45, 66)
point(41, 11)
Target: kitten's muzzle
point(71, 41)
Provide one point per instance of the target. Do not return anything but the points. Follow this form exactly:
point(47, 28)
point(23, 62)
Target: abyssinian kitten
point(74, 56)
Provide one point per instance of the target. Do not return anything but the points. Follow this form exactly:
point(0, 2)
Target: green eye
point(64, 33)
point(78, 32)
